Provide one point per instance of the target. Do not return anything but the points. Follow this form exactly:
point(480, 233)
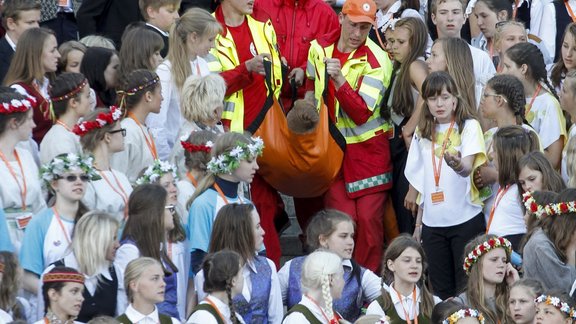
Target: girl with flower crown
point(20, 192)
point(322, 282)
point(233, 160)
point(453, 312)
point(446, 148)
point(407, 298)
point(102, 135)
point(490, 274)
point(49, 234)
point(201, 103)
point(550, 253)
point(535, 211)
point(70, 95)
point(164, 174)
point(555, 307)
point(140, 94)
point(197, 149)
point(62, 291)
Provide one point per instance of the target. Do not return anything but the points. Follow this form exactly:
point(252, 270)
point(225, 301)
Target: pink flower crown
point(101, 120)
point(556, 302)
point(480, 250)
point(15, 105)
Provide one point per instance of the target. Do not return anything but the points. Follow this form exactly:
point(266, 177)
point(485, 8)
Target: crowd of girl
point(125, 199)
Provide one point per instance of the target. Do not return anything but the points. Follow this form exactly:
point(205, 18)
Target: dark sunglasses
point(73, 177)
point(171, 208)
point(123, 130)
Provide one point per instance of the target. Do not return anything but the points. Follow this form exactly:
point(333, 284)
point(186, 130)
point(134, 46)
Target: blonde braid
point(327, 296)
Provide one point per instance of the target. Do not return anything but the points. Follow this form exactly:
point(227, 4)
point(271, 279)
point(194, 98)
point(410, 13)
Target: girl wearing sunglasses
point(49, 233)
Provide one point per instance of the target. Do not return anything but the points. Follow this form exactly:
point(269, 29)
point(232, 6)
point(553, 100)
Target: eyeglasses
point(485, 95)
point(73, 177)
point(171, 208)
point(123, 130)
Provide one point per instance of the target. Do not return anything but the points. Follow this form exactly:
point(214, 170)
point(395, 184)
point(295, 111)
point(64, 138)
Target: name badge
point(23, 220)
point(437, 197)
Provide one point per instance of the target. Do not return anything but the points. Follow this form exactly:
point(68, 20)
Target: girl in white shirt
point(191, 38)
point(102, 135)
point(407, 298)
point(525, 61)
point(70, 95)
point(322, 282)
point(446, 148)
point(224, 280)
point(140, 95)
point(144, 285)
point(506, 216)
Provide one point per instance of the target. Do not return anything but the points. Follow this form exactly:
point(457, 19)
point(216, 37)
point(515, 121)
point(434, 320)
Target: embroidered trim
point(72, 93)
point(63, 277)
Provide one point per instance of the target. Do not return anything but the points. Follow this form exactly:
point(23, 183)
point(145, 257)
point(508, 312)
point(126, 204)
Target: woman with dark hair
point(62, 292)
point(145, 235)
point(100, 65)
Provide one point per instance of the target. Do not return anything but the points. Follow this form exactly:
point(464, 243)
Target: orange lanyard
point(120, 192)
point(414, 305)
point(499, 195)
point(192, 179)
point(23, 189)
point(538, 88)
point(515, 11)
point(438, 168)
point(61, 225)
point(570, 11)
point(334, 319)
point(63, 125)
point(223, 196)
point(149, 140)
point(207, 299)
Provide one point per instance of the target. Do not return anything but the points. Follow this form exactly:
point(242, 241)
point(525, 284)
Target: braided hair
point(529, 54)
point(219, 270)
point(318, 268)
point(512, 90)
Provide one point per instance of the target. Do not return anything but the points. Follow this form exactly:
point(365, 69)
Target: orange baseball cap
point(360, 11)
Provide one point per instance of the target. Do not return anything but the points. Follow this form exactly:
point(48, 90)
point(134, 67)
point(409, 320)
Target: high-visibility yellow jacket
point(224, 57)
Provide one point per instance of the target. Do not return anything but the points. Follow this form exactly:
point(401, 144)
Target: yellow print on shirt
point(453, 141)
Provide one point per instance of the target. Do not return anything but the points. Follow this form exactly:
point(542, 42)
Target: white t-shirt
point(109, 194)
point(459, 193)
point(58, 141)
point(508, 218)
point(546, 117)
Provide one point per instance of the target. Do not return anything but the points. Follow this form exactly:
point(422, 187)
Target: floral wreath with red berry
point(189, 147)
point(531, 205)
point(101, 120)
point(481, 249)
point(560, 208)
point(556, 302)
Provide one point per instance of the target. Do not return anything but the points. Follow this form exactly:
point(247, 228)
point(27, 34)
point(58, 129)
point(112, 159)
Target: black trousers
point(398, 155)
point(444, 248)
point(64, 26)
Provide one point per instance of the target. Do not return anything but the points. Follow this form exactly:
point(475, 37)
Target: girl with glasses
point(145, 235)
point(49, 234)
point(164, 174)
point(101, 135)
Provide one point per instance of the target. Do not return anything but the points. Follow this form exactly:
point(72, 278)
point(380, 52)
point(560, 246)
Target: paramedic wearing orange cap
point(358, 72)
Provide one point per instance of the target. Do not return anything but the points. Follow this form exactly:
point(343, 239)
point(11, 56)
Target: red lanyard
point(334, 319)
point(570, 11)
point(499, 195)
point(414, 306)
point(149, 140)
point(207, 299)
point(63, 125)
point(538, 88)
point(120, 192)
point(438, 168)
point(23, 189)
point(192, 179)
point(61, 225)
point(223, 196)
